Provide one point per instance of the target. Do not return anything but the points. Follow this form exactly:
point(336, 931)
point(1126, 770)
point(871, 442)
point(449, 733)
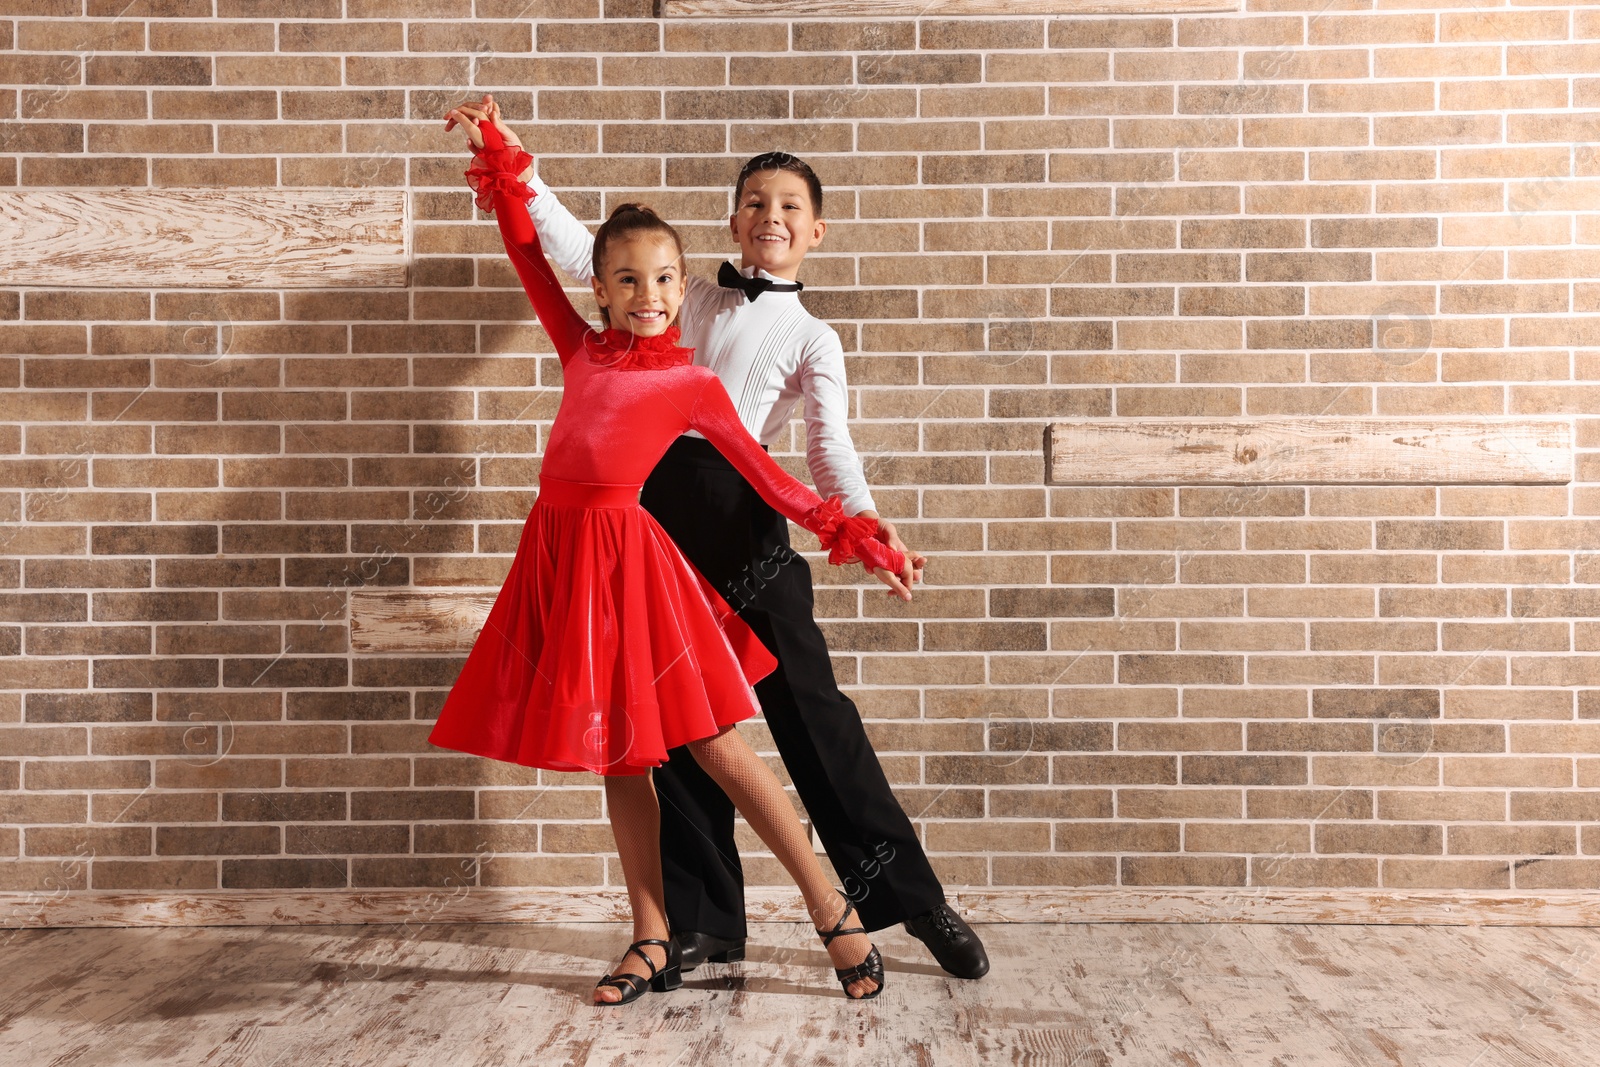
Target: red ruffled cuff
point(851, 538)
point(495, 170)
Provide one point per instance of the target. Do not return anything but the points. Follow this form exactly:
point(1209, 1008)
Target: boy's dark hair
point(780, 161)
point(626, 220)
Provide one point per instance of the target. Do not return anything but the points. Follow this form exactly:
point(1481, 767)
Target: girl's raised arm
point(493, 178)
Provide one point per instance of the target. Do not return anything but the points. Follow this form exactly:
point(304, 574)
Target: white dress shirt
point(770, 353)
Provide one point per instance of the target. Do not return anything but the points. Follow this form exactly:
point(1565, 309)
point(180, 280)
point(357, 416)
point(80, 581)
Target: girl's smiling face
point(641, 283)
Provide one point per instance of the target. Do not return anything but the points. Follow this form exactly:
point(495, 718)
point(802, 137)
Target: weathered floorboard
point(1309, 451)
point(463, 903)
point(204, 238)
point(1221, 996)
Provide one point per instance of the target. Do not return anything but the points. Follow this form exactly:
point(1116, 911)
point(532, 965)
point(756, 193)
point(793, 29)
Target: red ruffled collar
point(629, 351)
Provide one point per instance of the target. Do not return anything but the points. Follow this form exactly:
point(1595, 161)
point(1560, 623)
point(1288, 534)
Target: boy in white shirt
point(750, 328)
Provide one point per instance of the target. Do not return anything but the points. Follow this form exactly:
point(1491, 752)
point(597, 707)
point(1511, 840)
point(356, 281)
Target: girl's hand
point(892, 580)
point(468, 118)
point(911, 570)
point(915, 561)
point(472, 112)
point(469, 114)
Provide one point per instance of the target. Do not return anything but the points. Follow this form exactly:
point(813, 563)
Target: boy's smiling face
point(775, 222)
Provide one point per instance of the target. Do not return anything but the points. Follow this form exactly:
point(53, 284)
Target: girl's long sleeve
point(493, 177)
point(845, 538)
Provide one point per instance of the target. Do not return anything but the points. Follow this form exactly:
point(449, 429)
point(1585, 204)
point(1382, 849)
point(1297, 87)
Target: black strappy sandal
point(871, 967)
point(632, 986)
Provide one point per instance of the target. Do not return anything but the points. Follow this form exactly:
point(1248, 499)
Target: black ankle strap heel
point(667, 977)
point(871, 967)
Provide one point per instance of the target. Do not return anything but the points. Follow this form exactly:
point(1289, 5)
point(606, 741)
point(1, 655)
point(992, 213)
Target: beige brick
point(1179, 737)
point(1479, 669)
point(1429, 874)
point(1298, 132)
point(1542, 873)
point(1241, 636)
point(1330, 603)
point(1051, 68)
point(1248, 703)
point(1271, 838)
point(1056, 804)
point(1504, 771)
point(1165, 65)
point(1414, 805)
point(1377, 770)
point(1109, 702)
point(1113, 769)
point(1400, 736)
point(1314, 804)
point(1512, 840)
point(1550, 59)
point(1183, 870)
point(742, 70)
point(1310, 737)
point(1504, 26)
point(1497, 704)
point(1308, 872)
point(1377, 165)
point(1174, 132)
point(1390, 839)
point(1376, 636)
point(1453, 603)
point(1244, 770)
point(1310, 670)
point(1261, 30)
point(1055, 870)
point(1181, 603)
point(1178, 803)
point(1117, 837)
point(1437, 61)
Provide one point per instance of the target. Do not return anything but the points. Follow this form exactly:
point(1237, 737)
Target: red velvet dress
point(605, 647)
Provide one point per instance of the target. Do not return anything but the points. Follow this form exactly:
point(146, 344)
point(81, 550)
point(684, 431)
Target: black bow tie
point(730, 278)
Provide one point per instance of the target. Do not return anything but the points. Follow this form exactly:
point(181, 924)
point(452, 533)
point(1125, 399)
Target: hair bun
point(633, 209)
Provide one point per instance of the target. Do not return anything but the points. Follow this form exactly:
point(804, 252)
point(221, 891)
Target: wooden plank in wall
point(426, 621)
point(1308, 451)
point(204, 238)
point(929, 8)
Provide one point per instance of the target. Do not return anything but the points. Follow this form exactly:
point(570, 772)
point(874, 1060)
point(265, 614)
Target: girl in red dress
point(605, 647)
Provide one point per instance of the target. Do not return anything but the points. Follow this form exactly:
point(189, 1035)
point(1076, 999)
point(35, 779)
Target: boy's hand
point(911, 571)
point(892, 580)
point(469, 114)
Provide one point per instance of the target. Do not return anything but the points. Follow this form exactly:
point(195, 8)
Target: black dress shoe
point(698, 948)
point(951, 941)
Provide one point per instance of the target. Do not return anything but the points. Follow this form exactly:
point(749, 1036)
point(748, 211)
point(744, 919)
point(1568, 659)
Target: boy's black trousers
point(741, 545)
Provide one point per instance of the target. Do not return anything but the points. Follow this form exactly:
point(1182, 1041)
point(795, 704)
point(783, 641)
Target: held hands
point(469, 114)
point(911, 572)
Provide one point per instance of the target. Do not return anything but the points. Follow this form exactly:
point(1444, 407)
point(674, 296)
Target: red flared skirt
point(605, 647)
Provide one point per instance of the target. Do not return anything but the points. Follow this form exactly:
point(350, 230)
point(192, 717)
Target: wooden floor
point(1089, 995)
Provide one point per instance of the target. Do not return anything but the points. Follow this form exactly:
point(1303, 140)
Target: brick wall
point(1310, 208)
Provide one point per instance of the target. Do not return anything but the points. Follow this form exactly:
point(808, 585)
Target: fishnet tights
point(756, 792)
